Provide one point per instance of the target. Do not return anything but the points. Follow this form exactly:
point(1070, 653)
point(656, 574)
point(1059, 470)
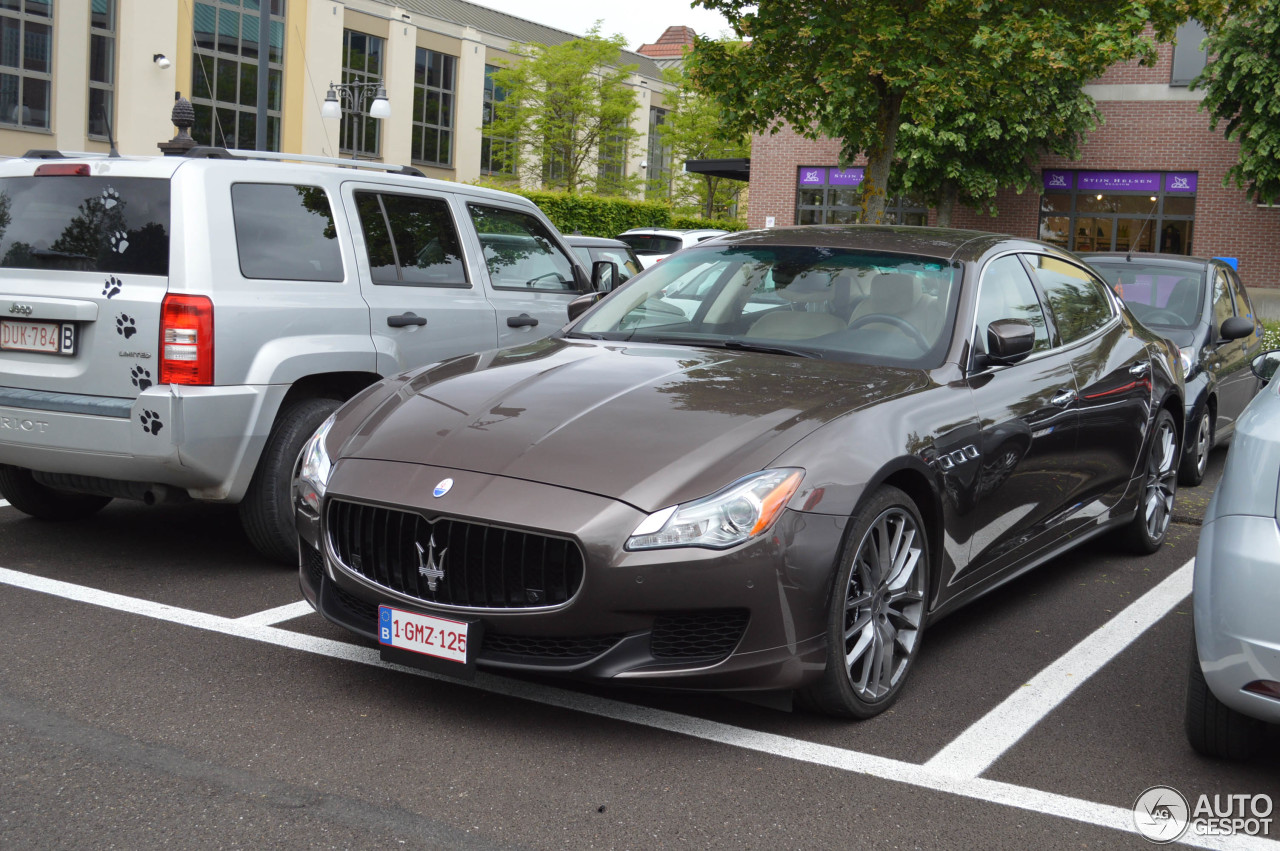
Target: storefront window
point(1118, 210)
point(831, 196)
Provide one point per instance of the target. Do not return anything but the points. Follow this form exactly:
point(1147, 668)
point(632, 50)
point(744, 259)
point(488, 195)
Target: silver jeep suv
point(176, 327)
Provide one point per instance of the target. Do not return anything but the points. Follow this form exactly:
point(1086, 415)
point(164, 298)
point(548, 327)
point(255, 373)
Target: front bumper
point(1237, 610)
point(744, 619)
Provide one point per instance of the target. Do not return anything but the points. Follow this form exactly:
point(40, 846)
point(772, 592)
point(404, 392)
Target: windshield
point(1158, 295)
point(811, 301)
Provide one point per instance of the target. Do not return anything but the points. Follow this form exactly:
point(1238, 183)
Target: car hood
point(646, 424)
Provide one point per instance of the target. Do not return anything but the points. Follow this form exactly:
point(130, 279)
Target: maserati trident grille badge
point(430, 564)
point(442, 488)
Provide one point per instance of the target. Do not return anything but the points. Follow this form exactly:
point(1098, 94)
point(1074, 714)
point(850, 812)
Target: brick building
point(1149, 177)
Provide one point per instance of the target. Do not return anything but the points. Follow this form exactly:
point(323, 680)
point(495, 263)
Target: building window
point(832, 196)
point(433, 80)
point(1188, 54)
point(102, 66)
point(611, 160)
point(497, 153)
point(26, 62)
point(362, 63)
point(658, 156)
point(1119, 210)
point(224, 74)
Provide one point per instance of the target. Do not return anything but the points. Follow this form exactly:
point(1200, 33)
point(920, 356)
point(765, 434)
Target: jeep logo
point(20, 309)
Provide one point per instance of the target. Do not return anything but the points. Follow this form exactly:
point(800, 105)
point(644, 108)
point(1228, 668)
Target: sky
point(639, 21)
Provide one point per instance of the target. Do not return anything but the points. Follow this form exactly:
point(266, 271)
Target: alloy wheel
point(1161, 484)
point(884, 604)
point(1204, 434)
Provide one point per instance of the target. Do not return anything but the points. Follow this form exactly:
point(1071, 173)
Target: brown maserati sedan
point(767, 463)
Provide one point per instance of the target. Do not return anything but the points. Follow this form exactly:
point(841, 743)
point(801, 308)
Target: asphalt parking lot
point(162, 684)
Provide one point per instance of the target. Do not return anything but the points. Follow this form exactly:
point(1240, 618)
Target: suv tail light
point(186, 340)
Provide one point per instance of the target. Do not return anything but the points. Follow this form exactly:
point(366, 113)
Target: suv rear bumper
point(203, 440)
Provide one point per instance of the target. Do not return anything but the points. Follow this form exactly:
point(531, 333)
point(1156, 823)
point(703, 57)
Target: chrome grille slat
point(485, 567)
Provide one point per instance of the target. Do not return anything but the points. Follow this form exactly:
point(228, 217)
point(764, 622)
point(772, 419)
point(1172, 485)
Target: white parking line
point(277, 615)
point(973, 751)
point(979, 789)
point(4, 503)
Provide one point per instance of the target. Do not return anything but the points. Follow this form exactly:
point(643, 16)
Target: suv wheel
point(1213, 728)
point(45, 503)
point(266, 512)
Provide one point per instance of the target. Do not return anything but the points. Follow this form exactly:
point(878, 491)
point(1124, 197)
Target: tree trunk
point(880, 158)
point(947, 202)
point(711, 197)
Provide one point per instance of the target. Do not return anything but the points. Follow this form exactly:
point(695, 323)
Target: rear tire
point(24, 493)
point(1194, 463)
point(266, 512)
point(1150, 525)
point(876, 615)
point(1213, 728)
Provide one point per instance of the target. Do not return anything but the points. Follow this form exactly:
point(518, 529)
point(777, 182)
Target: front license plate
point(424, 641)
point(55, 338)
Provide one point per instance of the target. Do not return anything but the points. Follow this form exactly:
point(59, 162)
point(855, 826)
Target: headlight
point(1188, 358)
point(314, 468)
point(738, 513)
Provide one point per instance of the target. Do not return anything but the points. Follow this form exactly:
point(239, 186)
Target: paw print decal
point(112, 287)
point(110, 197)
point(125, 326)
point(119, 241)
point(151, 422)
point(141, 378)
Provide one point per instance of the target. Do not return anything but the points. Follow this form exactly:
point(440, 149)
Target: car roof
point(674, 231)
point(895, 239)
point(577, 240)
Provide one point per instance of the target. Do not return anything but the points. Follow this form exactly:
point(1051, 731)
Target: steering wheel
point(896, 321)
point(1163, 317)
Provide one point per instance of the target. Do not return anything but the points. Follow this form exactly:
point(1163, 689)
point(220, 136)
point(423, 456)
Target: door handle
point(522, 321)
point(406, 318)
point(1140, 368)
point(1065, 397)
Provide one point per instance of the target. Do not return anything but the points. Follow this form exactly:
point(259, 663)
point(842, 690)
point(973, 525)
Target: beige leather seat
point(899, 294)
point(795, 325)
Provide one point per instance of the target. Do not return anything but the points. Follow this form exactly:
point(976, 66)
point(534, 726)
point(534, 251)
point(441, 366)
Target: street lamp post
point(354, 96)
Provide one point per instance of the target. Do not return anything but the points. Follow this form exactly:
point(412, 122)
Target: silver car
point(1234, 688)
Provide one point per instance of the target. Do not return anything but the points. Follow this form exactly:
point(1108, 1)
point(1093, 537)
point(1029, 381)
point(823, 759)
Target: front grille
point(710, 634)
point(550, 647)
point(469, 564)
point(312, 562)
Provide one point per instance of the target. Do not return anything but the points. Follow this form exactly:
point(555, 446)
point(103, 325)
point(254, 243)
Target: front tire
point(1195, 462)
point(266, 512)
point(1150, 526)
point(876, 616)
point(24, 493)
point(1213, 728)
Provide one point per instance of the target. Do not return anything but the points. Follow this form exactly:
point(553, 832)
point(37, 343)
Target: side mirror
point(1010, 340)
point(1264, 365)
point(604, 276)
point(582, 303)
point(1235, 327)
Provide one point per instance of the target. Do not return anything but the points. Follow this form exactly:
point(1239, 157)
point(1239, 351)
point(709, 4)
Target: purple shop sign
point(1180, 181)
point(813, 176)
point(1059, 180)
point(845, 176)
point(1118, 181)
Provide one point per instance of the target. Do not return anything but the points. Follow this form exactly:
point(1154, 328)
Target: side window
point(285, 232)
point(1243, 308)
point(1079, 302)
point(410, 240)
point(1007, 293)
point(1223, 308)
point(520, 252)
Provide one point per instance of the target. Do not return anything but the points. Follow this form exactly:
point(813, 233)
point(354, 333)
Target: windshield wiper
point(736, 345)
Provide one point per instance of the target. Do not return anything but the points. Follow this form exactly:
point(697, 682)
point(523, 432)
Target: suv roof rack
point(206, 152)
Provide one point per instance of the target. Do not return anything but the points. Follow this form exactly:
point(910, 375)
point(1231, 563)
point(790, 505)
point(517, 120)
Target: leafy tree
point(695, 129)
point(569, 108)
point(857, 70)
point(1242, 88)
point(970, 153)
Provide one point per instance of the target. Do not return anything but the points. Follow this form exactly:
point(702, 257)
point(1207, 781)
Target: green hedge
point(593, 215)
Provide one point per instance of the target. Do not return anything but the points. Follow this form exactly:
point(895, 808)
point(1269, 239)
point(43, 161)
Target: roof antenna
point(1155, 202)
point(114, 154)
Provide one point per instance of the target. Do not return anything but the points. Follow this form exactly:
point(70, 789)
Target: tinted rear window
point(285, 232)
point(650, 244)
point(85, 224)
point(1158, 294)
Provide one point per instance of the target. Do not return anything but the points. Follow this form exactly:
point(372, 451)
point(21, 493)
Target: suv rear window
point(285, 232)
point(645, 243)
point(85, 224)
